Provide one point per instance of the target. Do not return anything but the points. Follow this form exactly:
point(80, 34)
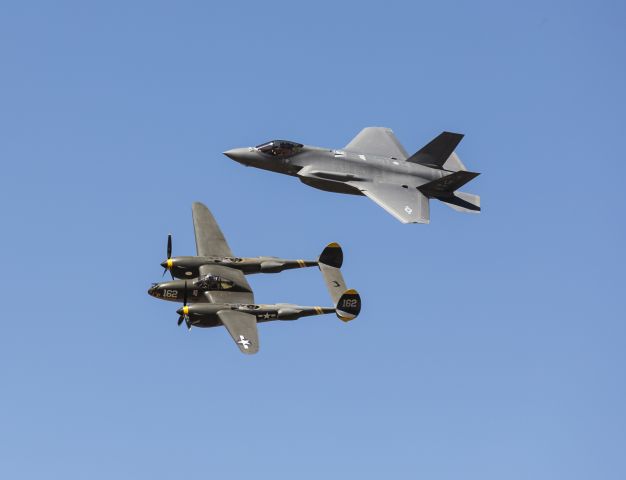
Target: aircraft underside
point(330, 186)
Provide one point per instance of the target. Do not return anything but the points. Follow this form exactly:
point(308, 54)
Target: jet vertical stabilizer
point(437, 152)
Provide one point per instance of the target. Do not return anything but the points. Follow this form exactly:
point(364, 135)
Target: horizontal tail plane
point(444, 189)
point(463, 202)
point(447, 184)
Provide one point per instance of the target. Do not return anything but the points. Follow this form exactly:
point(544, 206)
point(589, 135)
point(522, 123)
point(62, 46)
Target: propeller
point(185, 315)
point(168, 265)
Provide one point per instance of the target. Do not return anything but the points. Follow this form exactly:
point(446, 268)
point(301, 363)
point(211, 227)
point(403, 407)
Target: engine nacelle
point(288, 313)
point(271, 266)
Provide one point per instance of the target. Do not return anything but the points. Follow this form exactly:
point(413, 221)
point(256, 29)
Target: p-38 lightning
point(215, 291)
point(376, 165)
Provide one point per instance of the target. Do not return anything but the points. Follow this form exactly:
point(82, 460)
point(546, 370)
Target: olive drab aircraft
point(214, 291)
point(376, 165)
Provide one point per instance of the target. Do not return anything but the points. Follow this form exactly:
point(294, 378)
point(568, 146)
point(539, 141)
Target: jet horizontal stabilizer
point(445, 186)
point(455, 201)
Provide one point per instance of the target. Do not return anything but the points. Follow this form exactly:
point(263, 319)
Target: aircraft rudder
point(349, 305)
point(437, 151)
point(332, 255)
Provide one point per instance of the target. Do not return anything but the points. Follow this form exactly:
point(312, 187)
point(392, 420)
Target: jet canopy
point(279, 148)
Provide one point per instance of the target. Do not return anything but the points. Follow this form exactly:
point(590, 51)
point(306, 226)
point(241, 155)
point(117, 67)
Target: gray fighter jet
point(221, 295)
point(376, 165)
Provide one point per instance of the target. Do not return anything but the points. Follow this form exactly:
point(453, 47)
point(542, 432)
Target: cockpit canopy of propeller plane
point(213, 282)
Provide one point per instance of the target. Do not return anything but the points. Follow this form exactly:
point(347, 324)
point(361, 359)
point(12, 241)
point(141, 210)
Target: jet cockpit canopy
point(279, 148)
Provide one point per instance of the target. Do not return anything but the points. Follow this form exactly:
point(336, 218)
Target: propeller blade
point(180, 320)
point(169, 246)
point(164, 271)
point(187, 323)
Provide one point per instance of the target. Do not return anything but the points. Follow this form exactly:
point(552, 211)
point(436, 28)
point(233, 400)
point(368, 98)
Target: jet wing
point(242, 327)
point(407, 205)
point(210, 240)
point(240, 293)
point(377, 141)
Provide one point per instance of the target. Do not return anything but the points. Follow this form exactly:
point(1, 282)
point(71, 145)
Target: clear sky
point(490, 346)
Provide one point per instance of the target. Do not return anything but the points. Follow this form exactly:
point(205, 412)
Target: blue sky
point(489, 346)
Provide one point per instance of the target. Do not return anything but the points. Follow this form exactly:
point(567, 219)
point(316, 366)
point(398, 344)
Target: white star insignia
point(244, 342)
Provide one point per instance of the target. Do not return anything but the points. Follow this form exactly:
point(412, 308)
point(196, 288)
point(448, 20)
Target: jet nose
point(232, 153)
point(241, 155)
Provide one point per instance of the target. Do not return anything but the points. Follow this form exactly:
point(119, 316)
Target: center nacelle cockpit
point(213, 282)
point(279, 148)
point(175, 289)
point(228, 260)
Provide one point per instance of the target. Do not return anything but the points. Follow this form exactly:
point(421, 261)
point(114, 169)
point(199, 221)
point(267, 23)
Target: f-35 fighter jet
point(376, 165)
point(221, 295)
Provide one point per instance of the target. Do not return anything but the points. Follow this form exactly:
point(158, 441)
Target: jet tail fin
point(437, 152)
point(444, 189)
point(454, 163)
